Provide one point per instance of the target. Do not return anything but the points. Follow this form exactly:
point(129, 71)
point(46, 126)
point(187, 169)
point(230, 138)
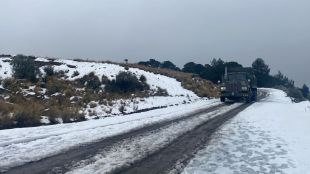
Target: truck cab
point(238, 85)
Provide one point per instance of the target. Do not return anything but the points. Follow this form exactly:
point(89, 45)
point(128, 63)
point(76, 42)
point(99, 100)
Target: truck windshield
point(237, 76)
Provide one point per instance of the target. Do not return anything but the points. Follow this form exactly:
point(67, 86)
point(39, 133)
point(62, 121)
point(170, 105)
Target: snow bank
point(134, 105)
point(268, 137)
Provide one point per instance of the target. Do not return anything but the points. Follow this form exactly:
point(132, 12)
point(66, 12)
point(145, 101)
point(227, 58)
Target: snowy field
point(44, 141)
point(271, 136)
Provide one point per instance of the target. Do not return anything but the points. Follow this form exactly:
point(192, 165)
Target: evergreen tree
point(261, 70)
point(24, 67)
point(305, 91)
point(260, 66)
point(169, 65)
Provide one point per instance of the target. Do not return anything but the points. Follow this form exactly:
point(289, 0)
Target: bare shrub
point(122, 108)
point(55, 85)
point(5, 120)
point(75, 73)
point(92, 104)
point(67, 114)
point(10, 84)
point(27, 115)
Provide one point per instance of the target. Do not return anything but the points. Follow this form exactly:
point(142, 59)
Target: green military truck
point(238, 84)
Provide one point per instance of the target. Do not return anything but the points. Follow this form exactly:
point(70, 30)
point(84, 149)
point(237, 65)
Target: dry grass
point(68, 114)
point(5, 120)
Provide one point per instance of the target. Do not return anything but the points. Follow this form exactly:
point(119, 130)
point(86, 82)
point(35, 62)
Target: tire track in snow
point(133, 149)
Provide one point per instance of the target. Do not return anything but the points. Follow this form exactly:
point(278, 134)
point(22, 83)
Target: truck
point(238, 84)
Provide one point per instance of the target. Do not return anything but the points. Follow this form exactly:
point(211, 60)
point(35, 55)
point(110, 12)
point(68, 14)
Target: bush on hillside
point(169, 65)
point(104, 80)
point(10, 84)
point(26, 118)
point(151, 63)
point(156, 64)
point(305, 91)
point(5, 120)
point(294, 93)
point(142, 79)
point(54, 85)
point(126, 82)
point(75, 73)
point(28, 114)
point(67, 114)
point(90, 81)
point(24, 67)
point(49, 71)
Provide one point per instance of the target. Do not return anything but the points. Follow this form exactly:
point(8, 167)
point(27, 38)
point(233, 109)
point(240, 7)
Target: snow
point(177, 94)
point(39, 59)
point(45, 141)
point(172, 86)
point(155, 81)
point(268, 137)
point(5, 68)
point(134, 149)
point(45, 120)
point(133, 105)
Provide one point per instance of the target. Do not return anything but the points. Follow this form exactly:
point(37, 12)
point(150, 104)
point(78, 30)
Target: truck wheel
point(222, 99)
point(248, 99)
point(254, 97)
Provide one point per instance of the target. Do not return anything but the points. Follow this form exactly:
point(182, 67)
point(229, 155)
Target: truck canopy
point(241, 74)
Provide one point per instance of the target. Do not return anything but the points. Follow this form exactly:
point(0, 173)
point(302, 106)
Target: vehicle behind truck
point(238, 84)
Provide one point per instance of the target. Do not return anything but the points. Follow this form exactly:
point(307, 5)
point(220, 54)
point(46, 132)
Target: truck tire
point(254, 96)
point(248, 99)
point(222, 99)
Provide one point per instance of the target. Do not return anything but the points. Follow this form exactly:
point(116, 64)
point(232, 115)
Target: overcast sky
point(176, 30)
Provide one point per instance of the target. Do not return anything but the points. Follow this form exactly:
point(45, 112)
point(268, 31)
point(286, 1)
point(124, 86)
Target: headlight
point(223, 88)
point(244, 88)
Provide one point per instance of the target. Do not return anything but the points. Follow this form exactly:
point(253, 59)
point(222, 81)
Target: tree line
point(216, 68)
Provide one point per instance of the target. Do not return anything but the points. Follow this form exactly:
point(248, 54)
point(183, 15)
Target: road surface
point(171, 154)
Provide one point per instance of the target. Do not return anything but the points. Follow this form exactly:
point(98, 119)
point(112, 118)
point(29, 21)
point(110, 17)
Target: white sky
point(176, 30)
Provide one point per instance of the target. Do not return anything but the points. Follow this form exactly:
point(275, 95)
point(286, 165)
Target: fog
point(176, 30)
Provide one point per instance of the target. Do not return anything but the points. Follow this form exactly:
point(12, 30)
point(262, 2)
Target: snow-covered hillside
point(176, 93)
point(271, 136)
point(172, 86)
